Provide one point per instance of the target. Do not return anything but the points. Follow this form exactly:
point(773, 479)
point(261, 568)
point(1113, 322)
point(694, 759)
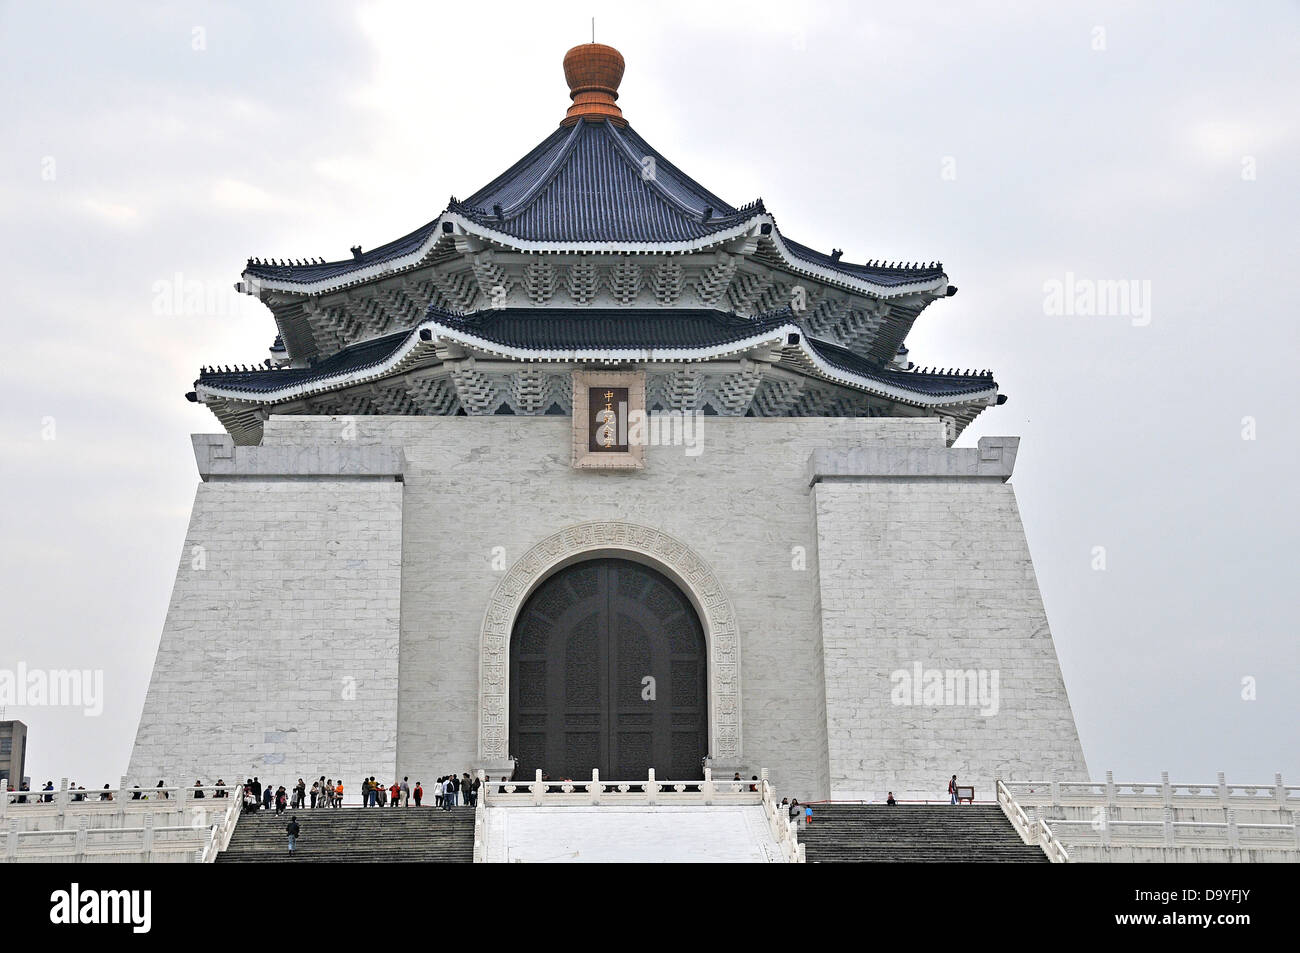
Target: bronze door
point(608, 671)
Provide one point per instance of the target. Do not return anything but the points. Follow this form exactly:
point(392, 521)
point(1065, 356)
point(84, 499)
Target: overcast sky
point(1016, 142)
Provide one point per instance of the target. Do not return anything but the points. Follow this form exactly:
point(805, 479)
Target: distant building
point(13, 752)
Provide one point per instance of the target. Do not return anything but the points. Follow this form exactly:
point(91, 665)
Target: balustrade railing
point(176, 822)
point(219, 836)
point(1032, 830)
point(1108, 799)
point(649, 790)
point(111, 798)
point(1157, 794)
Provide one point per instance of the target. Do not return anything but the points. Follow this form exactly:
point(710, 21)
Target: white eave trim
point(250, 284)
point(413, 347)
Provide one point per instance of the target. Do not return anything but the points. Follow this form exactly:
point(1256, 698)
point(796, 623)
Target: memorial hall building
point(597, 470)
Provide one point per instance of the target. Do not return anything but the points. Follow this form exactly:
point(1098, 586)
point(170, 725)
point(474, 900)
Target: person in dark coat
point(292, 830)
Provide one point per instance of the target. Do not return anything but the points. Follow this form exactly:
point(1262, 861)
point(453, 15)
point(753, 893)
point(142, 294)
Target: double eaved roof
point(594, 186)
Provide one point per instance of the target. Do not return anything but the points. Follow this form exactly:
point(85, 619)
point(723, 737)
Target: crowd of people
point(446, 793)
point(325, 792)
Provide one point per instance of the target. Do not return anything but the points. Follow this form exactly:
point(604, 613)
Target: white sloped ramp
point(631, 834)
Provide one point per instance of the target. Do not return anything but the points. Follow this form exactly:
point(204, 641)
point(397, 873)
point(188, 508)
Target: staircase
point(914, 833)
point(356, 835)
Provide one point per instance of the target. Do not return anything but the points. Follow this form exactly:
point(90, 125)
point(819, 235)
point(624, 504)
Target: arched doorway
point(608, 670)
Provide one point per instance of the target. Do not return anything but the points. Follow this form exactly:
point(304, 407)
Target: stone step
point(939, 833)
point(356, 835)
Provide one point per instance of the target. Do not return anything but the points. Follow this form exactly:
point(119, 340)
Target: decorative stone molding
point(628, 540)
point(219, 458)
point(993, 458)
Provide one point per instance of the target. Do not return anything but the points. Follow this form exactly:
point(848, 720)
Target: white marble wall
point(936, 571)
point(279, 654)
point(475, 484)
point(305, 576)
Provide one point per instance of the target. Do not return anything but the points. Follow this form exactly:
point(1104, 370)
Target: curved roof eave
point(250, 283)
point(413, 348)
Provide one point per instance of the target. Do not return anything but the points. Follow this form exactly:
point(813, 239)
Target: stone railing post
point(79, 850)
point(4, 797)
point(539, 787)
point(1110, 789)
point(147, 846)
point(1234, 832)
point(651, 787)
point(1279, 791)
point(707, 788)
point(1169, 827)
point(1166, 790)
point(11, 840)
point(482, 785)
point(1056, 794)
point(122, 797)
point(1223, 790)
point(594, 789)
point(62, 799)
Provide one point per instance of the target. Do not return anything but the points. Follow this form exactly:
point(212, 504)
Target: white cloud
point(112, 213)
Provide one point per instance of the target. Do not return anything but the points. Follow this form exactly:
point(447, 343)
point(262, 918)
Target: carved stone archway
point(630, 541)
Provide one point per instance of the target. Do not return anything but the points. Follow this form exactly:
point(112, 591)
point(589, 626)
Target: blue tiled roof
point(588, 183)
point(317, 271)
point(875, 272)
point(934, 383)
point(561, 329)
point(354, 358)
point(593, 182)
